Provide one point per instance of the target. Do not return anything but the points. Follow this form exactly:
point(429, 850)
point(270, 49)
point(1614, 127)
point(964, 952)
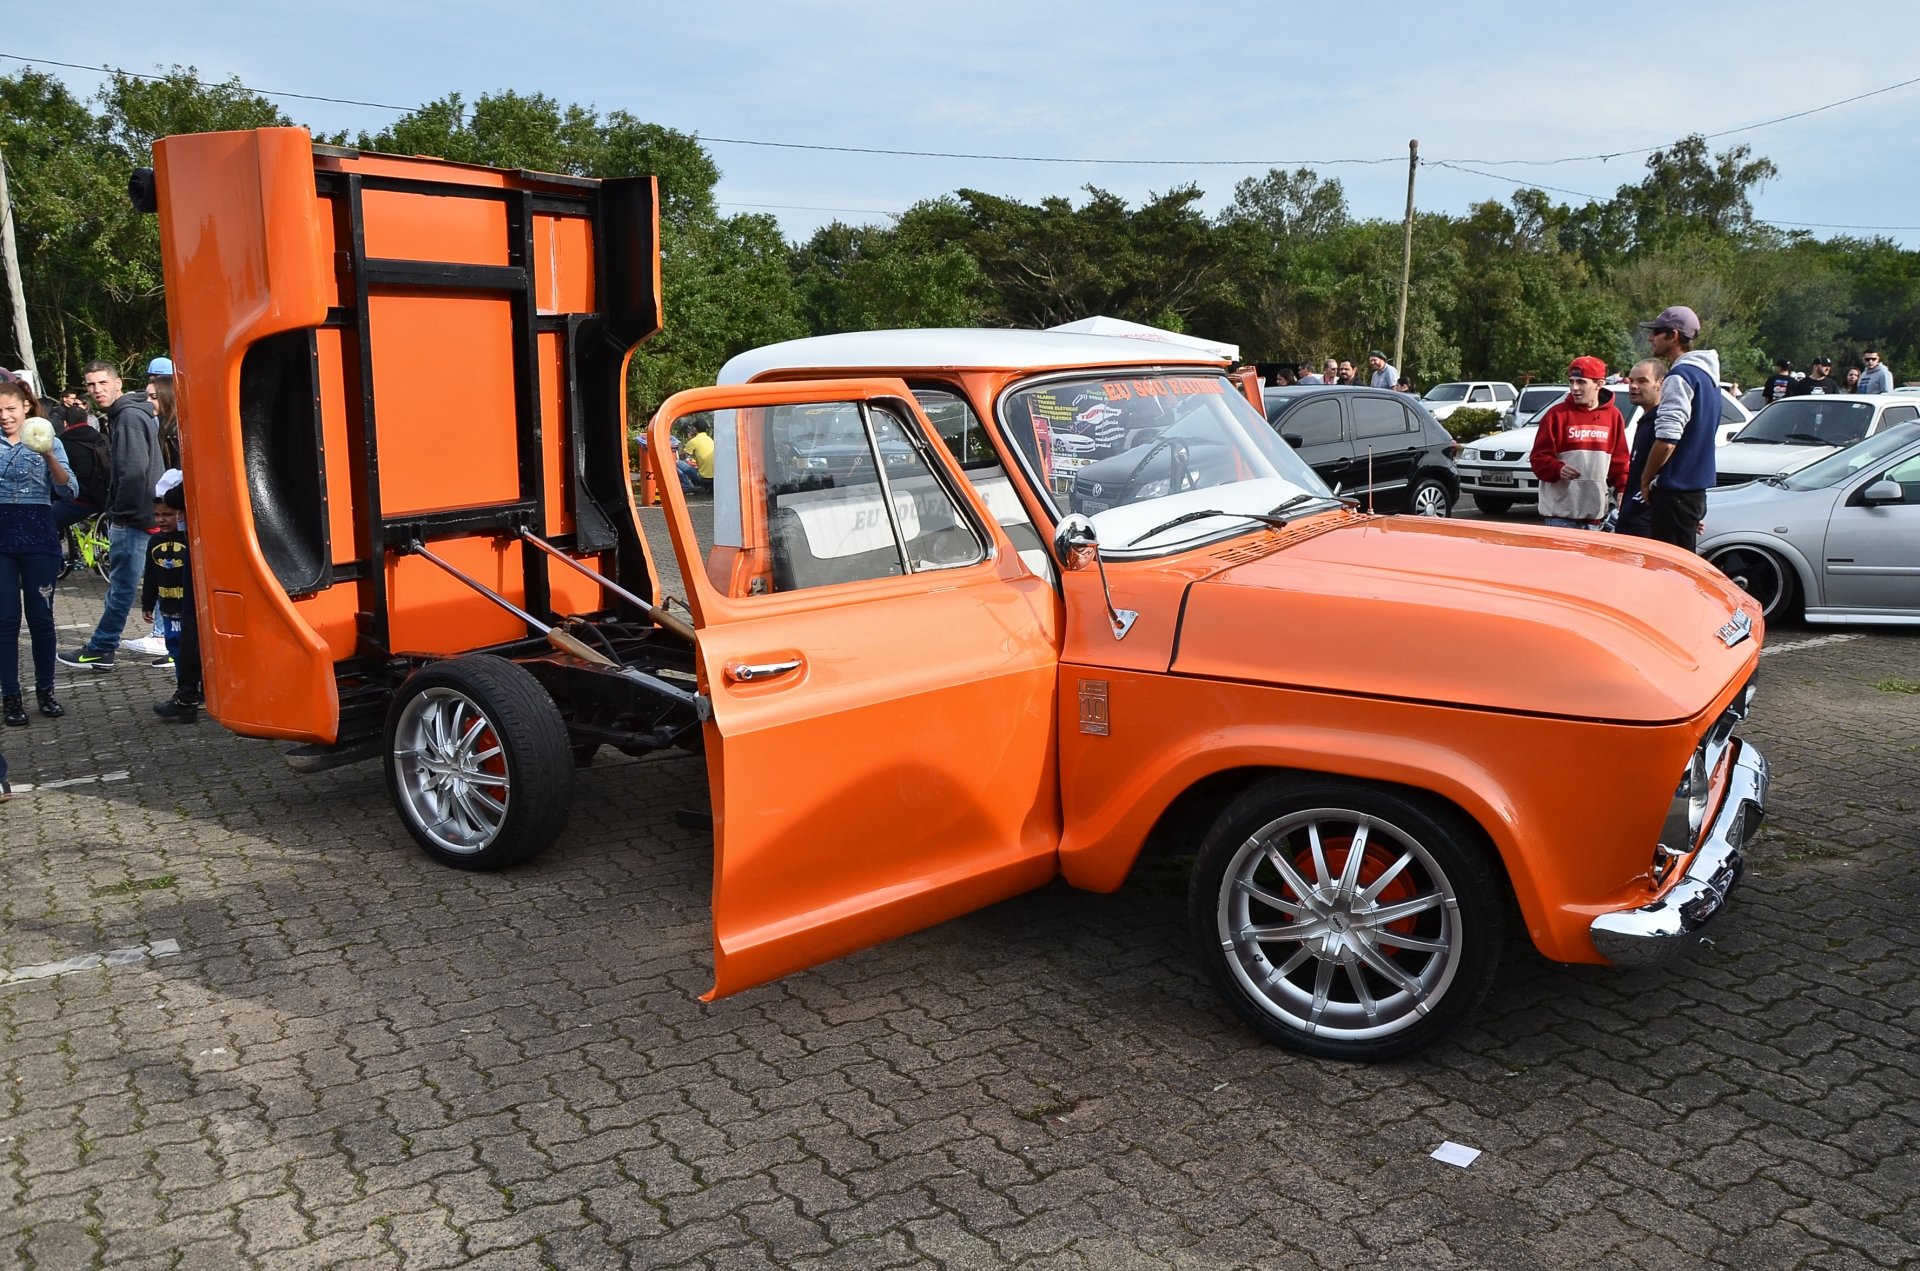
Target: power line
point(1705, 136)
point(1059, 159)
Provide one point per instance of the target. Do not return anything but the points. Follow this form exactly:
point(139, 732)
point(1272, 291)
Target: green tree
point(864, 278)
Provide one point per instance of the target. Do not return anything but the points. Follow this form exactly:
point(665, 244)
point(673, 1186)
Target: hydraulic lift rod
point(657, 614)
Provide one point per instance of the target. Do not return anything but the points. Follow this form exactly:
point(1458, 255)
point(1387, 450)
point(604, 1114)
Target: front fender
point(1572, 807)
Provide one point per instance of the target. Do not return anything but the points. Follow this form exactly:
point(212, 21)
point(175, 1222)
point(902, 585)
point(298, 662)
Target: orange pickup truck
point(968, 611)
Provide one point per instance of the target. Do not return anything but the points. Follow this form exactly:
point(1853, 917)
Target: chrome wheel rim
point(1755, 572)
point(452, 770)
point(1429, 500)
point(1339, 924)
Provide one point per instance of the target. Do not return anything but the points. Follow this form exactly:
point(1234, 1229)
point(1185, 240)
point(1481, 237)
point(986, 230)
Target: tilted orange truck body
point(969, 611)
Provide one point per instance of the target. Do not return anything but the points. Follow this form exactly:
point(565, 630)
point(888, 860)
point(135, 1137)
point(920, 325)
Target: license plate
point(1498, 478)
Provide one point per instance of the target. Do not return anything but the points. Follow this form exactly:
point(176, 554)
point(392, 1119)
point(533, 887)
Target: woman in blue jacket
point(30, 480)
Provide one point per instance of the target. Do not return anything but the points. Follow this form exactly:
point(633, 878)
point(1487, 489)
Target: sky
point(1227, 90)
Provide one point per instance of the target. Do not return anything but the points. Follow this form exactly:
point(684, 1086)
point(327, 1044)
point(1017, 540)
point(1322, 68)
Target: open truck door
point(403, 387)
point(881, 670)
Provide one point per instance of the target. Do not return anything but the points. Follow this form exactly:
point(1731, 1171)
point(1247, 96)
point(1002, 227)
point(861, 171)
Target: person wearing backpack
point(92, 463)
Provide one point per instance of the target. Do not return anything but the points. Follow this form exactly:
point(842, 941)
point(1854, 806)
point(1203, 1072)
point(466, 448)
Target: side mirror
point(1076, 544)
point(1293, 439)
point(1883, 491)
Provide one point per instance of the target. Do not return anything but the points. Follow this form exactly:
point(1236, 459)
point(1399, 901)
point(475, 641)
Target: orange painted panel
point(407, 226)
point(563, 264)
point(444, 400)
point(434, 612)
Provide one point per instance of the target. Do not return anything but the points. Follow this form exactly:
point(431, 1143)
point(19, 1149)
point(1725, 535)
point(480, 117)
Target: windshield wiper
point(1272, 518)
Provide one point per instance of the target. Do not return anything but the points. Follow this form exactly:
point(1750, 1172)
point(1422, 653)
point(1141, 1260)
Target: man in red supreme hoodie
point(1580, 451)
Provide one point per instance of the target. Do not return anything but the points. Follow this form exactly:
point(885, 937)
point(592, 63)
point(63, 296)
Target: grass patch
point(1898, 685)
point(133, 885)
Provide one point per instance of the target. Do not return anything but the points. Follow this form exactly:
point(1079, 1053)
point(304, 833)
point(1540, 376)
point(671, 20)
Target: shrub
point(1470, 422)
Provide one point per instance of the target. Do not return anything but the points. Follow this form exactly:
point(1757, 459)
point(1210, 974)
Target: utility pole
point(11, 259)
point(1406, 262)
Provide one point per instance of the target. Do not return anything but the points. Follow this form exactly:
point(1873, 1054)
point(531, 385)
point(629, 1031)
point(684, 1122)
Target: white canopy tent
point(1140, 331)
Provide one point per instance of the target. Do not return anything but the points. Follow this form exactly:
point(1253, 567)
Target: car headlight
point(1687, 814)
point(1152, 489)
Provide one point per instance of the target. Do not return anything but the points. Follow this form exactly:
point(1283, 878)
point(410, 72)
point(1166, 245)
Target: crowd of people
point(60, 464)
point(1380, 373)
point(1869, 375)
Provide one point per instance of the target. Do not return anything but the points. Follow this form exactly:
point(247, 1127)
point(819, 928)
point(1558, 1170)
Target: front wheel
point(478, 762)
point(1759, 573)
point(1493, 504)
point(1429, 497)
point(1343, 921)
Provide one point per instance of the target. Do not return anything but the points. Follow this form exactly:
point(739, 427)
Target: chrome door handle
point(743, 672)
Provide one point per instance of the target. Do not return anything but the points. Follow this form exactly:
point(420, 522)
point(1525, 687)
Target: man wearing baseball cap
point(1580, 451)
point(1384, 372)
point(1680, 467)
point(1819, 379)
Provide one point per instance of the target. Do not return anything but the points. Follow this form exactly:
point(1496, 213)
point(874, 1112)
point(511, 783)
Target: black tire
point(1493, 504)
point(1761, 574)
point(478, 762)
point(1430, 497)
point(67, 554)
point(1423, 972)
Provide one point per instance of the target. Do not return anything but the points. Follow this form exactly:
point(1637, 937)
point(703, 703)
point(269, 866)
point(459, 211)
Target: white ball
point(37, 435)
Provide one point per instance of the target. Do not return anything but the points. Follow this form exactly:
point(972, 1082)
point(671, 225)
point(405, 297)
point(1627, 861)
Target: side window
point(1377, 417)
point(1908, 476)
point(1898, 415)
point(1315, 422)
point(965, 438)
point(1502, 393)
point(1481, 393)
point(820, 493)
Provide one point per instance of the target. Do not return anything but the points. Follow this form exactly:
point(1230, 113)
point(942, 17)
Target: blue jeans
point(26, 580)
point(1567, 523)
point(126, 566)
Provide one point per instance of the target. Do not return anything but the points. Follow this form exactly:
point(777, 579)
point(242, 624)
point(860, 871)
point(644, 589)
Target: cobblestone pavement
point(301, 1044)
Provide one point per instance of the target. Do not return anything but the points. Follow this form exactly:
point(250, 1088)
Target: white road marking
point(23, 787)
point(129, 956)
point(1808, 644)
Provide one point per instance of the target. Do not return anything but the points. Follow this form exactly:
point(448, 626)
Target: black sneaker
point(162, 663)
point(88, 658)
point(176, 711)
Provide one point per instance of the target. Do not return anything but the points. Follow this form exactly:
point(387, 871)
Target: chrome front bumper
point(1652, 935)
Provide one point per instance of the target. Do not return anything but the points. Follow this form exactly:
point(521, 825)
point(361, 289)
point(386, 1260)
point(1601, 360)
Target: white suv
point(1443, 399)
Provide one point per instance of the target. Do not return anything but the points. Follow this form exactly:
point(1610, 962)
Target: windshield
point(1836, 468)
point(1538, 399)
point(1447, 393)
point(1134, 450)
point(1809, 421)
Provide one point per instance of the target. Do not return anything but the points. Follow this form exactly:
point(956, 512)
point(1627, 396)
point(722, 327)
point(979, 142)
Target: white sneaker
point(146, 644)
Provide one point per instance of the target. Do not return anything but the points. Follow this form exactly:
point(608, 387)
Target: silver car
point(1839, 540)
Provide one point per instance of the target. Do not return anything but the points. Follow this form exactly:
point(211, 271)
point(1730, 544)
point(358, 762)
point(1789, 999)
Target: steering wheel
point(1178, 476)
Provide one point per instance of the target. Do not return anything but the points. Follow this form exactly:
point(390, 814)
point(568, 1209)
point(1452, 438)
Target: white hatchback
point(1797, 431)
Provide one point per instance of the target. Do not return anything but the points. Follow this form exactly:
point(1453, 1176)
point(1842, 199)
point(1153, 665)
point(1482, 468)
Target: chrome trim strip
point(1654, 934)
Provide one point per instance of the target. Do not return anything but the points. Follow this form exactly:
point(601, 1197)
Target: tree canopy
point(1508, 289)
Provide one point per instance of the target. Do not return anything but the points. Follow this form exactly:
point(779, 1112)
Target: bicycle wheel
point(67, 553)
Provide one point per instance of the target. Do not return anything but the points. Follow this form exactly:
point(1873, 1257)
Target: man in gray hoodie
point(1680, 466)
point(133, 439)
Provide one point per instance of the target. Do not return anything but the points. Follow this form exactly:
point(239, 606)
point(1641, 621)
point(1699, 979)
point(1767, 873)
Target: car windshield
point(1809, 421)
point(1836, 468)
point(1135, 450)
point(1537, 399)
point(1447, 393)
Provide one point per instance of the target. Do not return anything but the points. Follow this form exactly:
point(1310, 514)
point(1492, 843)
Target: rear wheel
point(1761, 574)
point(478, 762)
point(1344, 921)
point(1492, 504)
point(1430, 497)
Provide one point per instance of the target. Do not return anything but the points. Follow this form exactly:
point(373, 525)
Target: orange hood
point(1548, 623)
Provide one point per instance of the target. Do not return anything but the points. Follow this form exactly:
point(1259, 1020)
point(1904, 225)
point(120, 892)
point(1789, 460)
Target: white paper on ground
point(1451, 1153)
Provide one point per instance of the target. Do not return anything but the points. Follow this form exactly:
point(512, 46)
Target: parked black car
point(1371, 444)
